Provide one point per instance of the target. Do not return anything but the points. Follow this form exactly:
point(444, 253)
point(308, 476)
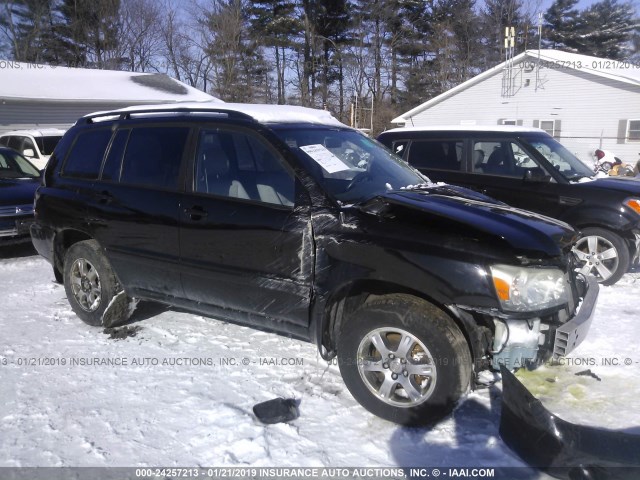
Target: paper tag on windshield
point(325, 158)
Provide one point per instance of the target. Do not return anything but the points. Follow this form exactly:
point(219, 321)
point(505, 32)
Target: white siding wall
point(18, 115)
point(589, 108)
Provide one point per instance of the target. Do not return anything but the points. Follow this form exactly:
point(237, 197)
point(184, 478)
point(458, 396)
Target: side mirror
point(28, 152)
point(536, 175)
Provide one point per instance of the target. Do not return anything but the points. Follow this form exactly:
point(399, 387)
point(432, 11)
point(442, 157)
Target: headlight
point(529, 289)
point(633, 204)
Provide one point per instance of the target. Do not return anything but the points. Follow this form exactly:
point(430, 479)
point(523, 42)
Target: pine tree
point(606, 29)
point(28, 26)
point(273, 24)
point(90, 33)
point(330, 21)
point(561, 25)
point(238, 68)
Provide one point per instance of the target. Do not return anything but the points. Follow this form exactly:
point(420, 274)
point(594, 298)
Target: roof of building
point(46, 83)
point(263, 113)
point(626, 72)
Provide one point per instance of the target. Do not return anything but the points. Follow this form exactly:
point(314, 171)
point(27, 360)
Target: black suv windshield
point(562, 159)
point(351, 167)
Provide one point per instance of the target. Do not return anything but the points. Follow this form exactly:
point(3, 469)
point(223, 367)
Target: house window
point(633, 130)
point(509, 122)
point(548, 126)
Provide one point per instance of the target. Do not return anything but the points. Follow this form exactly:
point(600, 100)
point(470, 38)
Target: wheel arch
point(63, 240)
point(348, 297)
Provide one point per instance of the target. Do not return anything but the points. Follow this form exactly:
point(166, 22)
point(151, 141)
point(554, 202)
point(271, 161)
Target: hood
point(626, 185)
point(18, 191)
point(523, 230)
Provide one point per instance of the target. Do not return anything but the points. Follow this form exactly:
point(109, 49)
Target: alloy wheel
point(396, 367)
point(85, 285)
point(597, 256)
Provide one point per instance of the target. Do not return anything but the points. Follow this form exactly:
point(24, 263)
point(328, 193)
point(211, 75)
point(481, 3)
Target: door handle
point(196, 212)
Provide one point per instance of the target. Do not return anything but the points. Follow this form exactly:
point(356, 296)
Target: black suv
point(527, 168)
point(284, 219)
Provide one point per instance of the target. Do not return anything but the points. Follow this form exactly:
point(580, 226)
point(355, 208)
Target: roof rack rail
point(127, 114)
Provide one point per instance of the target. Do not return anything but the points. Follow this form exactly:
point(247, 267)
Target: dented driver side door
point(245, 234)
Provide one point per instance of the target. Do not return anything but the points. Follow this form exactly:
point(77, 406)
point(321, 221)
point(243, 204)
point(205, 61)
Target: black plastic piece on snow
point(277, 410)
point(563, 449)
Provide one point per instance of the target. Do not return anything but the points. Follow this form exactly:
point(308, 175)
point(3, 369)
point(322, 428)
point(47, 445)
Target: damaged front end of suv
point(505, 275)
point(545, 313)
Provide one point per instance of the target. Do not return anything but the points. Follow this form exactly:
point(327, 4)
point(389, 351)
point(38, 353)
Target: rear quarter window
point(153, 156)
point(85, 158)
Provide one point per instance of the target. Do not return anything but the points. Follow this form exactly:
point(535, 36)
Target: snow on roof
point(619, 70)
point(263, 113)
point(468, 128)
point(58, 84)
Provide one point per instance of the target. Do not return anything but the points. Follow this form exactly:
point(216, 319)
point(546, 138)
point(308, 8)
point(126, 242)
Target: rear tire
point(90, 283)
point(404, 359)
point(603, 254)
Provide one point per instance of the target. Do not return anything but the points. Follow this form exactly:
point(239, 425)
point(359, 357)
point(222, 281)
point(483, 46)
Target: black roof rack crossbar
point(127, 115)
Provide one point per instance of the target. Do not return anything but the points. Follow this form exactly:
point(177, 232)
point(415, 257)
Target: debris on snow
point(278, 410)
point(122, 332)
point(588, 373)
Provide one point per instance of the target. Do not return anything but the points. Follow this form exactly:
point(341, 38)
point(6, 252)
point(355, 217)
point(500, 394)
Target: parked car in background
point(529, 169)
point(284, 219)
point(19, 180)
point(36, 145)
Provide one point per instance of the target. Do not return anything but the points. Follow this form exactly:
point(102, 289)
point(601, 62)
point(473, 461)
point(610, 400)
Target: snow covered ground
point(185, 384)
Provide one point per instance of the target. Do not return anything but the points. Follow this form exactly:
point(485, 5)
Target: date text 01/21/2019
point(579, 65)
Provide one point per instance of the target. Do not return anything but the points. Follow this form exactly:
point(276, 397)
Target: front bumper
point(572, 333)
point(563, 449)
point(12, 230)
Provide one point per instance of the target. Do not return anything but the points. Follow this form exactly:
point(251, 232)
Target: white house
point(585, 102)
point(41, 96)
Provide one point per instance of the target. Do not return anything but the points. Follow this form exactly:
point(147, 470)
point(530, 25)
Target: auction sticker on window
point(325, 158)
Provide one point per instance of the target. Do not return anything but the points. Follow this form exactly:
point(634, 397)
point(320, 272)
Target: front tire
point(89, 282)
point(603, 254)
point(404, 359)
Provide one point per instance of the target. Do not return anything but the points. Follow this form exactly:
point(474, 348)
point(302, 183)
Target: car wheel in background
point(603, 254)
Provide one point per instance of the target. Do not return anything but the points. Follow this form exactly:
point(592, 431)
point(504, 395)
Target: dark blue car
point(19, 180)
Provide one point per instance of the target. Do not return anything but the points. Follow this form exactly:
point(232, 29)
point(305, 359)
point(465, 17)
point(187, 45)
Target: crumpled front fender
point(563, 449)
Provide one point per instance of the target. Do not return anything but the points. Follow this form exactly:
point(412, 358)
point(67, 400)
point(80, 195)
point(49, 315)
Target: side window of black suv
point(85, 158)
point(236, 164)
point(152, 156)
